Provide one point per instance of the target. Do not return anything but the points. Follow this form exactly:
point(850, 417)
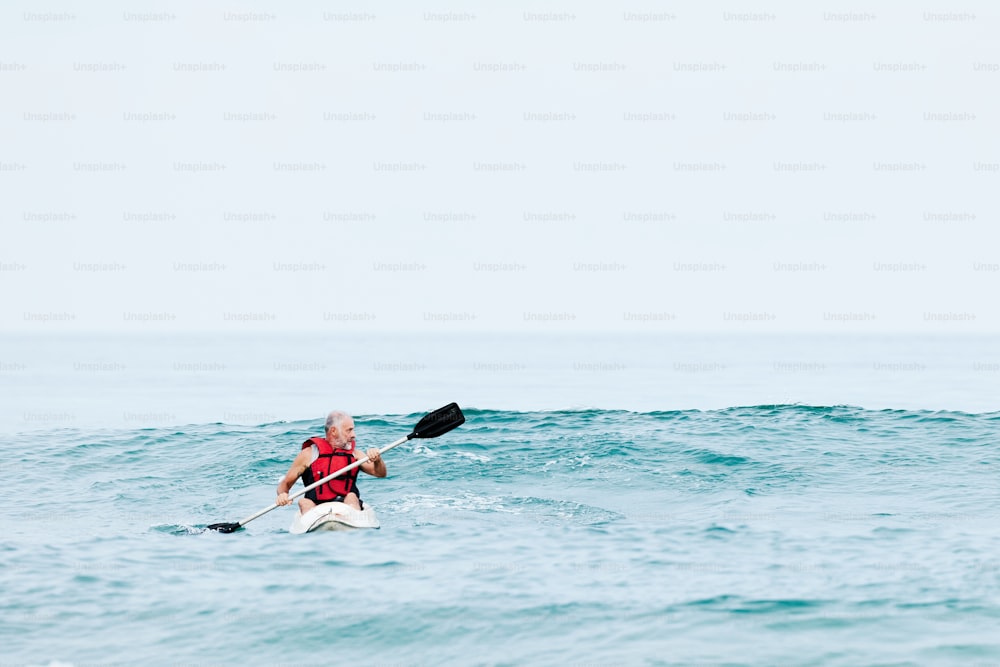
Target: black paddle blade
point(225, 527)
point(439, 422)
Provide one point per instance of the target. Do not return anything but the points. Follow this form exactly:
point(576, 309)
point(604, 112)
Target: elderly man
point(320, 457)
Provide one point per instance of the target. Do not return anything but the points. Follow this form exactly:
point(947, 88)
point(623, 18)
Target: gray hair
point(335, 418)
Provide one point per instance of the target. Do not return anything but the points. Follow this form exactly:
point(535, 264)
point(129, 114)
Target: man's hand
point(283, 499)
point(374, 465)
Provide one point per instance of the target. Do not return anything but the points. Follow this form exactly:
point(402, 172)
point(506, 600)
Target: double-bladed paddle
point(432, 425)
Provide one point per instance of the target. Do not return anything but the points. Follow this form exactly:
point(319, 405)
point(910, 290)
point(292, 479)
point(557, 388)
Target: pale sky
point(573, 166)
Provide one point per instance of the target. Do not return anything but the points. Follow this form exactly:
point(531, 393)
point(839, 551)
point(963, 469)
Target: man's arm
point(374, 466)
point(299, 466)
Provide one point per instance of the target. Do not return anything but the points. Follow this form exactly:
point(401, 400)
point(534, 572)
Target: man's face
point(343, 434)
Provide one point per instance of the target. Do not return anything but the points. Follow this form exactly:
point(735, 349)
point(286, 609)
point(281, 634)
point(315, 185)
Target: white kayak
point(333, 516)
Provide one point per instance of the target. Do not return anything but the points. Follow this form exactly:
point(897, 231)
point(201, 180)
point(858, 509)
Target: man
point(320, 457)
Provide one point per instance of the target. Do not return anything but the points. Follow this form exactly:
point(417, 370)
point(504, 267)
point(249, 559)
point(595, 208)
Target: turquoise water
point(778, 534)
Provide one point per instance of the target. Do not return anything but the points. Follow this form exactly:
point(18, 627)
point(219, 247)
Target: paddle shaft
point(323, 481)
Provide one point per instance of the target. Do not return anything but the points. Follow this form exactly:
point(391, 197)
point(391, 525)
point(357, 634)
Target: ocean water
point(759, 534)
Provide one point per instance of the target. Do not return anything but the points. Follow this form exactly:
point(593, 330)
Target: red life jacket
point(330, 460)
